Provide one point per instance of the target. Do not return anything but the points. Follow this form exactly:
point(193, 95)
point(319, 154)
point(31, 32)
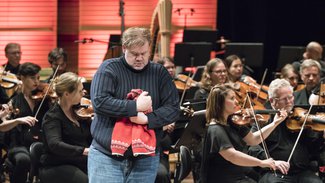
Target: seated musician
point(235, 68)
point(310, 75)
point(224, 156)
point(66, 138)
point(289, 73)
point(57, 57)
point(313, 51)
point(13, 54)
point(214, 73)
point(281, 141)
point(169, 64)
point(22, 136)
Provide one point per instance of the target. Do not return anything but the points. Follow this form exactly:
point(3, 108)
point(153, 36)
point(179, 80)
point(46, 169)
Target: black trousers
point(62, 174)
point(21, 163)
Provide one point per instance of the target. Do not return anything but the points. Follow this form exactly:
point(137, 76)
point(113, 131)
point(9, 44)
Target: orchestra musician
point(22, 136)
point(310, 75)
point(169, 64)
point(235, 70)
point(214, 73)
point(57, 57)
point(281, 141)
point(289, 73)
point(13, 54)
point(66, 138)
point(224, 157)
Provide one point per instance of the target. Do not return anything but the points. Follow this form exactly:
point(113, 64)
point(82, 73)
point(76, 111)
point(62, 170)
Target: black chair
point(36, 150)
point(185, 165)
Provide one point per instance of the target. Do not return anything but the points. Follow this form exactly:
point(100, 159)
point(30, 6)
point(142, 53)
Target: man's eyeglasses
point(15, 53)
point(220, 71)
point(284, 99)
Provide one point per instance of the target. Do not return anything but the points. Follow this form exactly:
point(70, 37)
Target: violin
point(245, 116)
point(255, 90)
point(40, 92)
point(84, 110)
point(8, 80)
point(184, 82)
point(315, 122)
point(12, 112)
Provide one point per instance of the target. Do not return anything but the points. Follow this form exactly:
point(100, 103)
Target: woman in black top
point(66, 138)
point(224, 156)
point(22, 136)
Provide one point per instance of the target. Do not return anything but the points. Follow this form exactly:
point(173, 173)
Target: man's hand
point(144, 102)
point(169, 128)
point(140, 119)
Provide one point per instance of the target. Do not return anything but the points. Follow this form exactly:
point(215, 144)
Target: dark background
point(272, 22)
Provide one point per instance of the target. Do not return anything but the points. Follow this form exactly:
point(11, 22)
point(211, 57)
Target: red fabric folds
point(125, 134)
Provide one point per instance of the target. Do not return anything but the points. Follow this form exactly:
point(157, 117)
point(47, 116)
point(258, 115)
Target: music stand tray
point(193, 132)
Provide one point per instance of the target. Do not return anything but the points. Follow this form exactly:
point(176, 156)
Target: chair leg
point(177, 170)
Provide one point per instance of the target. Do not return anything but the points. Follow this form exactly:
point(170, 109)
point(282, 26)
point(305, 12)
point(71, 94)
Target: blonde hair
point(136, 36)
point(66, 82)
point(206, 81)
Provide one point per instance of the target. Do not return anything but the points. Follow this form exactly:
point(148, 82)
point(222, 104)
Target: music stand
point(209, 36)
point(289, 54)
point(192, 54)
point(193, 132)
point(250, 53)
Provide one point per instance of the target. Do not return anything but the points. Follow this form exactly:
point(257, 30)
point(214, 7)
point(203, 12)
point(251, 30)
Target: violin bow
point(184, 90)
point(47, 91)
point(267, 154)
point(262, 82)
point(300, 132)
point(266, 150)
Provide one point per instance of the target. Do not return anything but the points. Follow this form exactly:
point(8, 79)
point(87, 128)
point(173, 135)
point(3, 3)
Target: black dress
point(214, 167)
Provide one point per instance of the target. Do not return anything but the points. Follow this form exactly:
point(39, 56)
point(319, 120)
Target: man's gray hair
point(309, 63)
point(275, 85)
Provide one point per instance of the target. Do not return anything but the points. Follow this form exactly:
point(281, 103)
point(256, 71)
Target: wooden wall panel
point(32, 23)
point(100, 18)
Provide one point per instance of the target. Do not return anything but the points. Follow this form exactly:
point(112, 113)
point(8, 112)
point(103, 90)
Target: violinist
point(310, 75)
point(66, 138)
point(22, 136)
point(235, 69)
point(13, 54)
point(289, 73)
point(57, 57)
point(224, 156)
point(214, 73)
point(281, 141)
point(169, 64)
